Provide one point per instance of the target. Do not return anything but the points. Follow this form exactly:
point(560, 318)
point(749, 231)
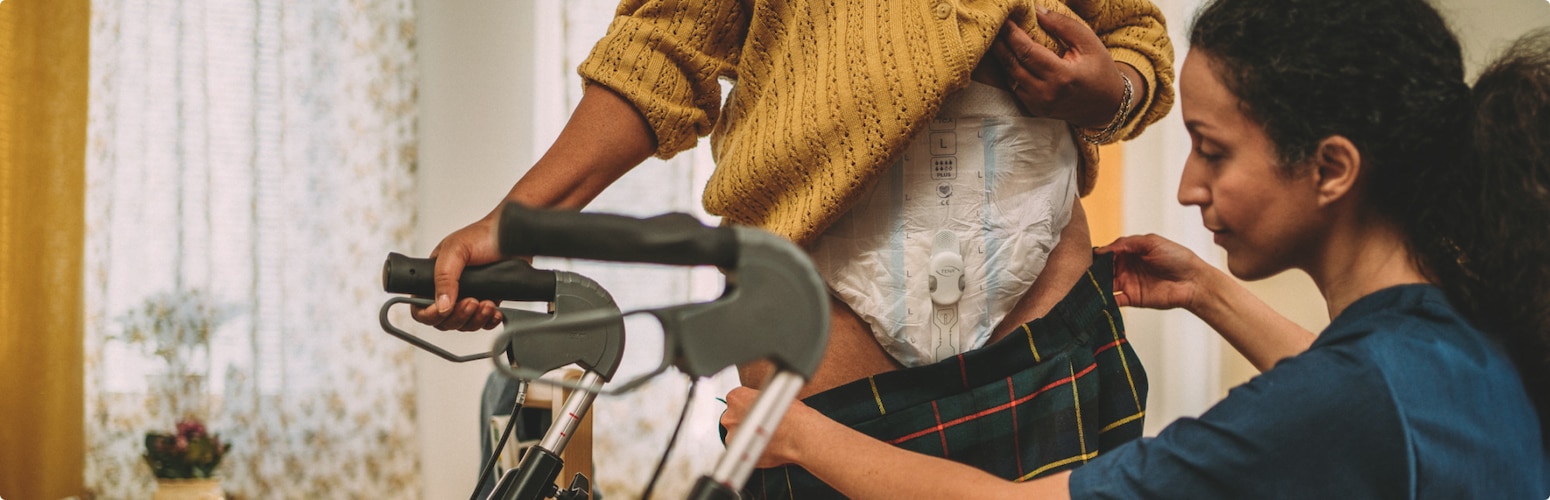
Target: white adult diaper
point(956, 232)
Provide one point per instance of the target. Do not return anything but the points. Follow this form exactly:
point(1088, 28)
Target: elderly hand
point(470, 246)
point(1083, 86)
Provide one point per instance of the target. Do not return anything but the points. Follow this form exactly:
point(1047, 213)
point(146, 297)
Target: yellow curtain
point(43, 79)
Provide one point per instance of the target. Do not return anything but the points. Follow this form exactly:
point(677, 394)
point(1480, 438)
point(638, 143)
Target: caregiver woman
point(1337, 138)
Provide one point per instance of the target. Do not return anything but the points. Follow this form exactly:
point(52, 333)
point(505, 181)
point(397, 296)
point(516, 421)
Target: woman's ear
point(1336, 166)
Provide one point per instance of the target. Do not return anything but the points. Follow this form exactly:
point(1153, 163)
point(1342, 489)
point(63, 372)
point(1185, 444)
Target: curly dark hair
point(1506, 275)
point(1464, 173)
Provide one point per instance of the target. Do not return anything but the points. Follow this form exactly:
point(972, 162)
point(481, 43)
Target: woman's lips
point(1219, 236)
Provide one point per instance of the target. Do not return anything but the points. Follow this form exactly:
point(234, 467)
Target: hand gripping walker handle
point(513, 280)
point(597, 347)
point(674, 239)
point(509, 280)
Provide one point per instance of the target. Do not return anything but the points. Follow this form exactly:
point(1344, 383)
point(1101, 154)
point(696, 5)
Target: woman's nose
point(1192, 191)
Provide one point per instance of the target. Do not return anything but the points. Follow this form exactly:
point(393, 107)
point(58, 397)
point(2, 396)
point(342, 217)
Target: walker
point(773, 307)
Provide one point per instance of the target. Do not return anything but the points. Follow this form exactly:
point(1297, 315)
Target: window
point(261, 152)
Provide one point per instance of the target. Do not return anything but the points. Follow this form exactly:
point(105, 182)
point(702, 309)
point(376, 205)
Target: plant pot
point(189, 489)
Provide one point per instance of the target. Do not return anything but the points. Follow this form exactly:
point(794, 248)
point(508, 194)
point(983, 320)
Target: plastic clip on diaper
point(946, 284)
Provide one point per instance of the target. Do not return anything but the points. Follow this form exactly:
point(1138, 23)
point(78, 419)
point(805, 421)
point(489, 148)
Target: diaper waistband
point(1086, 318)
point(979, 100)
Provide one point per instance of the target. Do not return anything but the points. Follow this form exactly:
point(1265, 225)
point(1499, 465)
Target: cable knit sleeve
point(665, 56)
point(1136, 34)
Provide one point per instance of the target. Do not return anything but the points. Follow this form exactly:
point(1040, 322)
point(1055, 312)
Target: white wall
point(1486, 27)
point(1179, 352)
point(475, 139)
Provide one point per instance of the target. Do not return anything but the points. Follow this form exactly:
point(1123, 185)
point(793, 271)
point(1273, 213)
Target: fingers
point(1018, 51)
point(467, 315)
point(778, 450)
point(486, 317)
point(1123, 299)
point(1080, 84)
point(426, 315)
point(449, 267)
point(1112, 247)
point(1073, 33)
point(469, 245)
point(1017, 74)
point(1032, 92)
point(458, 316)
point(742, 397)
point(1128, 244)
point(738, 402)
point(470, 314)
point(1128, 288)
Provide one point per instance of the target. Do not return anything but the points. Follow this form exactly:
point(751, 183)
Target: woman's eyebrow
point(1196, 124)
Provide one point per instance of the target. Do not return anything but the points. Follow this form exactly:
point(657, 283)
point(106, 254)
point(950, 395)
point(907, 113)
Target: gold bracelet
point(1107, 134)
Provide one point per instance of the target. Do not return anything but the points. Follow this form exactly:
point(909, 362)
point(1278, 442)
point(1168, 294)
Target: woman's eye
point(1206, 149)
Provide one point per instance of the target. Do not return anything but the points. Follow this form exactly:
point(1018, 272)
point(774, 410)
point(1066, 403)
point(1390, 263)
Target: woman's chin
point(1247, 268)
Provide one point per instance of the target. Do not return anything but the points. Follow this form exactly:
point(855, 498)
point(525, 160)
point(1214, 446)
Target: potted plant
point(176, 326)
point(185, 462)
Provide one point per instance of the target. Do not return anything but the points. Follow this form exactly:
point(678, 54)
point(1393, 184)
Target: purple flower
point(191, 429)
point(190, 452)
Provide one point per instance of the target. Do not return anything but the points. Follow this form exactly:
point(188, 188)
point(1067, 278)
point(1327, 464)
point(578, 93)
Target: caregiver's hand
point(1152, 272)
point(790, 436)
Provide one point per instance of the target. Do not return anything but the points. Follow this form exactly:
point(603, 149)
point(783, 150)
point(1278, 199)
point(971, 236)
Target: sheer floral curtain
point(260, 152)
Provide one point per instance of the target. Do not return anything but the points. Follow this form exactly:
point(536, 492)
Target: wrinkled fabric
point(984, 189)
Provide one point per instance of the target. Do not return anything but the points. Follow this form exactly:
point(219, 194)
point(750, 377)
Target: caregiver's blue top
point(1399, 398)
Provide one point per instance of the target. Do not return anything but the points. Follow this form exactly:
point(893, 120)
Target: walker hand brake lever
point(598, 348)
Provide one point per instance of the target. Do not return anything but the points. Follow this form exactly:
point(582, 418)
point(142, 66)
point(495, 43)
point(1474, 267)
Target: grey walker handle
point(513, 280)
point(674, 239)
point(774, 307)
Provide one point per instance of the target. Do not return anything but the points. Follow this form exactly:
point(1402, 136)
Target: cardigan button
point(942, 10)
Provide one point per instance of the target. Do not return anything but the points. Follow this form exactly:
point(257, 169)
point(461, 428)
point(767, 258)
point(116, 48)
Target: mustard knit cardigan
point(828, 93)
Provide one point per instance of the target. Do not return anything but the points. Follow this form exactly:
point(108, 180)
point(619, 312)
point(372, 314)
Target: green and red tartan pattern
point(1052, 395)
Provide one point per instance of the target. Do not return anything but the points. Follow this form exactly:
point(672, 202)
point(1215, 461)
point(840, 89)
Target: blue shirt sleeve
point(1319, 425)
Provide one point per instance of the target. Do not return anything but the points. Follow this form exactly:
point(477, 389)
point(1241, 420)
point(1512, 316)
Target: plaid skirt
point(1052, 395)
